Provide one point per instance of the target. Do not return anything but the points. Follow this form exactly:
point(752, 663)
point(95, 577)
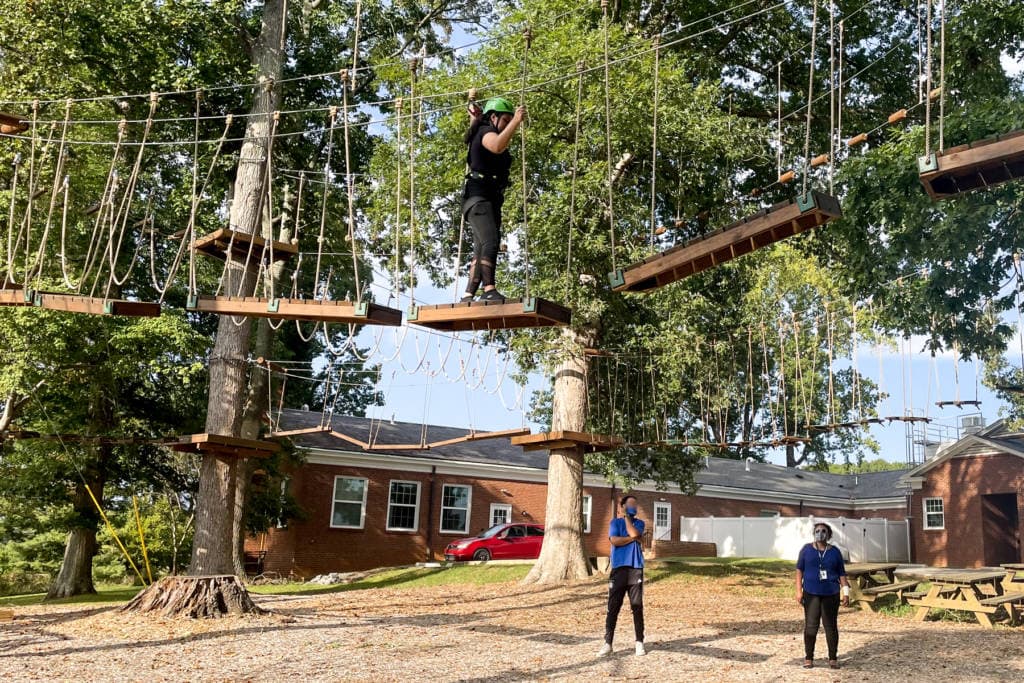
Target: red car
point(500, 542)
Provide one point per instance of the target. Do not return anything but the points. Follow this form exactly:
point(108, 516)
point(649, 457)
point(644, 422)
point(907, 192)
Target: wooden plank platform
point(6, 614)
point(11, 124)
point(491, 315)
point(216, 245)
point(364, 313)
point(94, 305)
point(13, 295)
point(974, 166)
point(590, 443)
point(742, 237)
point(224, 446)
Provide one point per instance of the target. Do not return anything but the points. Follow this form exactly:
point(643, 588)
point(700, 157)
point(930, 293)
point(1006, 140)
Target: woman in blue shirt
point(820, 576)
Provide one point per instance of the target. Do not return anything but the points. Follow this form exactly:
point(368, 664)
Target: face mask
point(821, 535)
point(631, 511)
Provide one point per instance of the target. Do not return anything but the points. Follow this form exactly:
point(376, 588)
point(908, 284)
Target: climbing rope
point(608, 131)
point(654, 136)
point(527, 39)
point(349, 183)
point(810, 98)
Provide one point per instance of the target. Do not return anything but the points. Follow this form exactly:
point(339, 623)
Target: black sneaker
point(466, 298)
point(492, 295)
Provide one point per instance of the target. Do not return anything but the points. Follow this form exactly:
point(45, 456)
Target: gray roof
point(488, 451)
point(724, 472)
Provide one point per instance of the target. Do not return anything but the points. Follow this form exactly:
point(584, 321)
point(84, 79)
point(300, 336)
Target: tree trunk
point(562, 556)
point(198, 597)
point(258, 401)
point(213, 547)
point(75, 575)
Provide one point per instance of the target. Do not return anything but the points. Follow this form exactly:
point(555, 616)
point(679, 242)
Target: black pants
point(484, 219)
point(623, 580)
point(823, 609)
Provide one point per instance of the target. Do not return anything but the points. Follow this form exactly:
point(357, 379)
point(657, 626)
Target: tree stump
point(198, 597)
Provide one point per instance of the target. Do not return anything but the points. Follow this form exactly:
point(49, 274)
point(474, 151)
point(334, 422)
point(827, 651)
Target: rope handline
point(333, 113)
point(654, 135)
point(608, 133)
point(810, 97)
point(351, 198)
point(572, 184)
point(106, 201)
point(928, 86)
point(527, 39)
point(396, 279)
point(416, 109)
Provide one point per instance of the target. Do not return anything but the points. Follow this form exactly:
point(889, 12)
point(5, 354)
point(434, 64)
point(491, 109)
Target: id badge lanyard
point(822, 572)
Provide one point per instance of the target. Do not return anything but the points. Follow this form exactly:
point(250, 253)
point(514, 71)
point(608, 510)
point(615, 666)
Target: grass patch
point(104, 593)
point(415, 577)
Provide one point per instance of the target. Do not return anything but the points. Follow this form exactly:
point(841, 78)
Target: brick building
point(965, 508)
point(392, 507)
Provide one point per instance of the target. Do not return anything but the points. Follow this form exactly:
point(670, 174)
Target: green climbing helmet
point(498, 105)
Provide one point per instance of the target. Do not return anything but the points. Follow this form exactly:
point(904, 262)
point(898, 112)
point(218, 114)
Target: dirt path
point(699, 629)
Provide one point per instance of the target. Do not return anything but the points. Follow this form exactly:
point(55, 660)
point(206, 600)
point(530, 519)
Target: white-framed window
point(403, 506)
point(455, 501)
point(348, 511)
point(769, 513)
point(501, 513)
point(587, 505)
point(934, 514)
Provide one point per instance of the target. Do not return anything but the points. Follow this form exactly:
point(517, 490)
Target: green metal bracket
point(806, 202)
point(30, 296)
point(362, 309)
point(927, 164)
point(108, 308)
point(192, 302)
point(37, 299)
point(414, 313)
point(530, 305)
point(616, 279)
point(273, 305)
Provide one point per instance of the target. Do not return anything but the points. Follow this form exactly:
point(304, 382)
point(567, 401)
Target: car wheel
point(482, 555)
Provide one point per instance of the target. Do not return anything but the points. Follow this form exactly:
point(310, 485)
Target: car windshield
point(493, 531)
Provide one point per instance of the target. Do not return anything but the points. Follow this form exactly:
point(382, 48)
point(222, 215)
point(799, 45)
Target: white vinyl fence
point(866, 540)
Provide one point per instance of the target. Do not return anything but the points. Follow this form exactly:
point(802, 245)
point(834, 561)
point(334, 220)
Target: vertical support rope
point(831, 95)
point(333, 114)
point(527, 39)
point(396, 278)
point(839, 104)
point(580, 66)
point(654, 134)
point(355, 45)
point(142, 539)
point(778, 120)
point(351, 197)
point(190, 230)
point(810, 98)
point(471, 99)
point(928, 85)
point(414, 105)
point(608, 133)
point(942, 74)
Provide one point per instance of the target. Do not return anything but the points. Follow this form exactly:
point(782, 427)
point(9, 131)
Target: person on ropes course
point(489, 160)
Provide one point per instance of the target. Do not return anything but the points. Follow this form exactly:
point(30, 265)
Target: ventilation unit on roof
point(972, 424)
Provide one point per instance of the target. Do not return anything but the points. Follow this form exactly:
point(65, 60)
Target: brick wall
point(311, 546)
point(682, 549)
point(960, 482)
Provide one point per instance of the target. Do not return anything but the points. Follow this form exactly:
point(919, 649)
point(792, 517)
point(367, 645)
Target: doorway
point(663, 521)
point(1000, 528)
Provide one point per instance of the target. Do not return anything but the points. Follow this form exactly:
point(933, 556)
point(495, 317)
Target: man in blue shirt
point(627, 574)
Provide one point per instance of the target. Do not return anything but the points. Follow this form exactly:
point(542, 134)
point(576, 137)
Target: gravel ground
point(699, 628)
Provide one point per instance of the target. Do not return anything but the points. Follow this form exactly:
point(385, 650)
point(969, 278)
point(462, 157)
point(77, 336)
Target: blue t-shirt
point(631, 554)
point(812, 561)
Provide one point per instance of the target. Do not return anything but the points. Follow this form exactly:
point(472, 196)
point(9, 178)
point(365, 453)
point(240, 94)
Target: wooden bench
point(872, 593)
point(1007, 601)
point(916, 595)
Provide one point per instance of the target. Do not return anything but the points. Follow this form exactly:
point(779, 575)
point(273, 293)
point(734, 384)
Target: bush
point(18, 583)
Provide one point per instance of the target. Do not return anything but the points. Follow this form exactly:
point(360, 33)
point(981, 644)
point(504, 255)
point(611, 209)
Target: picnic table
point(871, 580)
point(1014, 573)
point(981, 591)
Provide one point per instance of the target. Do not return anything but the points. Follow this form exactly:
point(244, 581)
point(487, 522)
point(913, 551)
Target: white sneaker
point(640, 649)
point(605, 650)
